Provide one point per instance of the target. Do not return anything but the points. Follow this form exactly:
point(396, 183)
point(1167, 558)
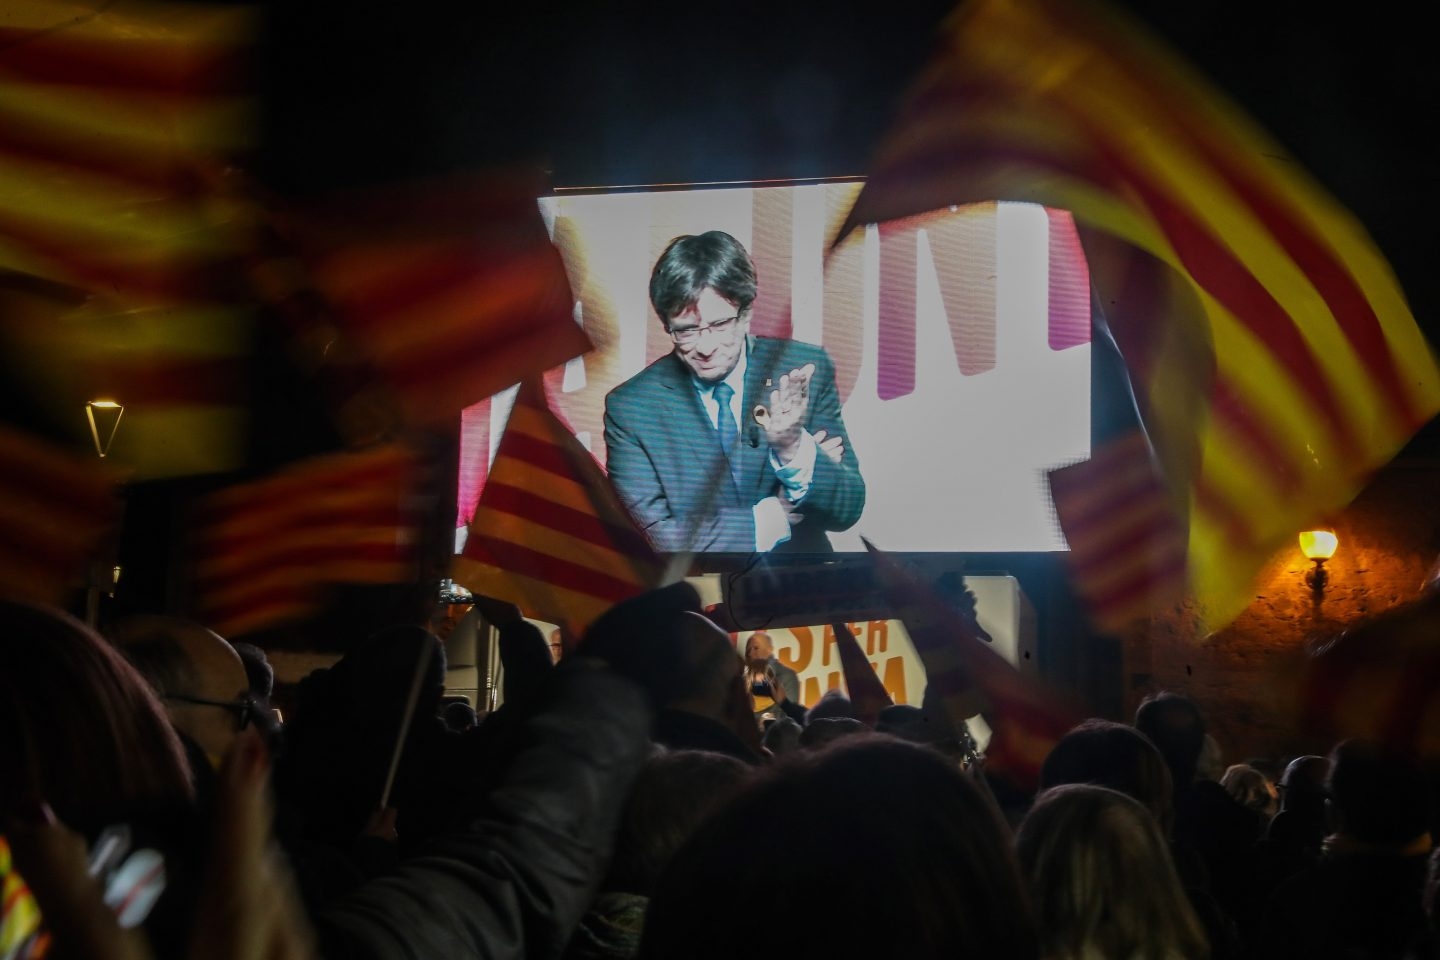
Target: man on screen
point(730, 442)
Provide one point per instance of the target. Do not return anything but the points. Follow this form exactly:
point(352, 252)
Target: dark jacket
point(664, 457)
point(516, 882)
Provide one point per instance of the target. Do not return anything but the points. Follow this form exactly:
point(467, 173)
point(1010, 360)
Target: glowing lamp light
point(104, 417)
point(1318, 546)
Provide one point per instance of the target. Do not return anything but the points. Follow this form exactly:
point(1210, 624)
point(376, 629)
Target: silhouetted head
point(1101, 878)
point(1378, 794)
point(1302, 785)
point(674, 793)
point(832, 704)
point(198, 676)
point(459, 716)
point(782, 736)
point(378, 673)
point(882, 847)
point(1174, 724)
point(79, 727)
point(1116, 756)
point(826, 730)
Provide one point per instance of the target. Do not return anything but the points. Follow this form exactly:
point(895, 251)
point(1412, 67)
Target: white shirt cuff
point(796, 475)
point(772, 527)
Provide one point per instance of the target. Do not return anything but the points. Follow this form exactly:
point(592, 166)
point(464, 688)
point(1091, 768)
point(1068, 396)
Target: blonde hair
point(1102, 881)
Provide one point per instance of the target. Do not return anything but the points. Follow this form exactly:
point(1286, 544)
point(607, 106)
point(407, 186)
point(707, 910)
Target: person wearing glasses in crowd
point(730, 442)
point(198, 677)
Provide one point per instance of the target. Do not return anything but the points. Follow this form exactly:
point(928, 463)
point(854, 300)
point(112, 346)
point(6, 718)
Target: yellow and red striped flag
point(1274, 360)
point(111, 121)
point(1127, 545)
point(55, 510)
point(450, 288)
point(1027, 718)
point(550, 534)
point(267, 550)
point(115, 125)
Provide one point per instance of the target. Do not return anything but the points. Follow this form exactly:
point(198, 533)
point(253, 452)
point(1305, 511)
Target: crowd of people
point(654, 793)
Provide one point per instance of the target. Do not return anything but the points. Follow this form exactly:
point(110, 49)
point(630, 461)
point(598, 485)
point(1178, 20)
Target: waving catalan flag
point(267, 550)
point(1273, 358)
point(115, 124)
point(111, 121)
point(55, 508)
point(550, 534)
point(451, 288)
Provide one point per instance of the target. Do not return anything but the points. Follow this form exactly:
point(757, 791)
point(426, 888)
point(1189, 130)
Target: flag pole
point(427, 650)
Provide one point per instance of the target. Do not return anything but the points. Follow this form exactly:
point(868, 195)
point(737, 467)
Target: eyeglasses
point(685, 336)
point(244, 708)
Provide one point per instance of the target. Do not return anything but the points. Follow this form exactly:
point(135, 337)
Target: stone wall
point(1244, 676)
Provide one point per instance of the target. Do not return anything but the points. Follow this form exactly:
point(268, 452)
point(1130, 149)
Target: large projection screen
point(960, 341)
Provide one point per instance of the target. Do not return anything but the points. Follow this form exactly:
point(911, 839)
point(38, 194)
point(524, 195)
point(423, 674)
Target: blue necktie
point(727, 429)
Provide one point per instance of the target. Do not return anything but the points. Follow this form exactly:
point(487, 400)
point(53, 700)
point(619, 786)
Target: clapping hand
point(785, 417)
point(832, 447)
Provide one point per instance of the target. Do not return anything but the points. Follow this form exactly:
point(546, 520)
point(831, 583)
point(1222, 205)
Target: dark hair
point(1378, 793)
point(692, 263)
point(831, 705)
point(1101, 878)
point(258, 672)
point(882, 846)
point(1115, 756)
point(826, 730)
point(782, 736)
point(460, 716)
point(79, 727)
point(1302, 785)
point(1174, 724)
point(673, 794)
point(525, 658)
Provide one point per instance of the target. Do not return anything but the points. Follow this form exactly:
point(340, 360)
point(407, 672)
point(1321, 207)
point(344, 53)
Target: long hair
point(869, 848)
point(79, 727)
point(1102, 881)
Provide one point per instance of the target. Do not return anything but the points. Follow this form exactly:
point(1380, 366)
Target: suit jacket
point(665, 460)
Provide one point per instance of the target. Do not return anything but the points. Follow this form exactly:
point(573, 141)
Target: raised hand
point(789, 405)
